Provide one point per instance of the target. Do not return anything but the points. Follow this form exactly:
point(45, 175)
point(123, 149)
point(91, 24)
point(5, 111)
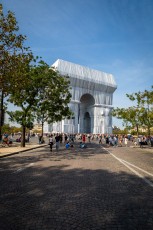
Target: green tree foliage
point(45, 96)
point(14, 58)
point(24, 118)
point(130, 116)
point(144, 102)
point(140, 115)
point(54, 96)
point(7, 129)
point(10, 129)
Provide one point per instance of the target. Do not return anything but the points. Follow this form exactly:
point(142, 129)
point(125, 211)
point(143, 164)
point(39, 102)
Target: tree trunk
point(148, 131)
point(23, 136)
point(137, 130)
point(42, 130)
point(1, 114)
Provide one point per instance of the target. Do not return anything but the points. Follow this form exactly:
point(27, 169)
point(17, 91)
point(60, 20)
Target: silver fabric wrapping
point(91, 102)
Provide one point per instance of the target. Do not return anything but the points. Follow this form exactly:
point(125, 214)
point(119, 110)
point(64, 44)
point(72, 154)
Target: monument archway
point(87, 102)
point(87, 123)
point(91, 101)
point(87, 99)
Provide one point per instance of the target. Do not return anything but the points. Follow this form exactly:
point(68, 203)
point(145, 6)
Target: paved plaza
point(95, 188)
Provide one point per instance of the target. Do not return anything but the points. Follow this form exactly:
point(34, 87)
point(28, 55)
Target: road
point(92, 188)
point(139, 161)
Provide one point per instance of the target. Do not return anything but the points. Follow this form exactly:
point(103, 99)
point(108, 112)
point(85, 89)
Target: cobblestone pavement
point(82, 189)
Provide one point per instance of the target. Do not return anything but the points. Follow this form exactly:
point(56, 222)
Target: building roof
point(84, 73)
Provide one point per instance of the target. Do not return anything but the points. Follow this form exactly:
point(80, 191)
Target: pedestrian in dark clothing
point(57, 139)
point(40, 139)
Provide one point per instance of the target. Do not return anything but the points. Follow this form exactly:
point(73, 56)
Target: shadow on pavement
point(57, 197)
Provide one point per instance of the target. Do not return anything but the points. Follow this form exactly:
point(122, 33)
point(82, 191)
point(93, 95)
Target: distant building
point(37, 127)
point(92, 99)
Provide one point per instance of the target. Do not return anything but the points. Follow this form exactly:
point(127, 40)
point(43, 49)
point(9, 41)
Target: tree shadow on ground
point(57, 197)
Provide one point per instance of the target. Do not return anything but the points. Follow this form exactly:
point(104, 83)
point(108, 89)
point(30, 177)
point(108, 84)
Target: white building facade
point(91, 102)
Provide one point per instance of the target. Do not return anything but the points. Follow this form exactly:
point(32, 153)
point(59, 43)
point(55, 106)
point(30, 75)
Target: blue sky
point(113, 36)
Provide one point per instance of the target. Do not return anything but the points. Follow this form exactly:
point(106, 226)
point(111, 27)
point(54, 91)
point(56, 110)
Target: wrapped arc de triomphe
point(91, 102)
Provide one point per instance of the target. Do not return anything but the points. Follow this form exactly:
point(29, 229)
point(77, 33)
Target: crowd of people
point(108, 140)
point(84, 139)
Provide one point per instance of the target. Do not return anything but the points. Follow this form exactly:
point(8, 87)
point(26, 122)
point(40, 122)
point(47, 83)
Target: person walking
point(57, 139)
point(51, 142)
point(100, 139)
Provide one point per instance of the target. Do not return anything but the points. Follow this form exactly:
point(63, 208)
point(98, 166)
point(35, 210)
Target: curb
point(24, 150)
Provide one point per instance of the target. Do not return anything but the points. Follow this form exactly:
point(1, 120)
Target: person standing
point(83, 138)
point(100, 139)
point(120, 140)
point(107, 140)
point(51, 142)
point(57, 139)
point(65, 137)
point(89, 136)
point(126, 141)
point(115, 141)
point(39, 138)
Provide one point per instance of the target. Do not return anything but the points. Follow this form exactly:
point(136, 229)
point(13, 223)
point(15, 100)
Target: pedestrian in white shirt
point(126, 141)
point(51, 142)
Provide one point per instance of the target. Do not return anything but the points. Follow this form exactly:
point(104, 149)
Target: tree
point(139, 115)
point(45, 96)
point(54, 97)
point(23, 118)
point(6, 128)
point(14, 58)
point(144, 102)
point(24, 97)
point(10, 129)
point(130, 116)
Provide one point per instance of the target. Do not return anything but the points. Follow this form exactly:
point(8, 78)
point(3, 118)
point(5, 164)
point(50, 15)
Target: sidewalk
point(8, 151)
